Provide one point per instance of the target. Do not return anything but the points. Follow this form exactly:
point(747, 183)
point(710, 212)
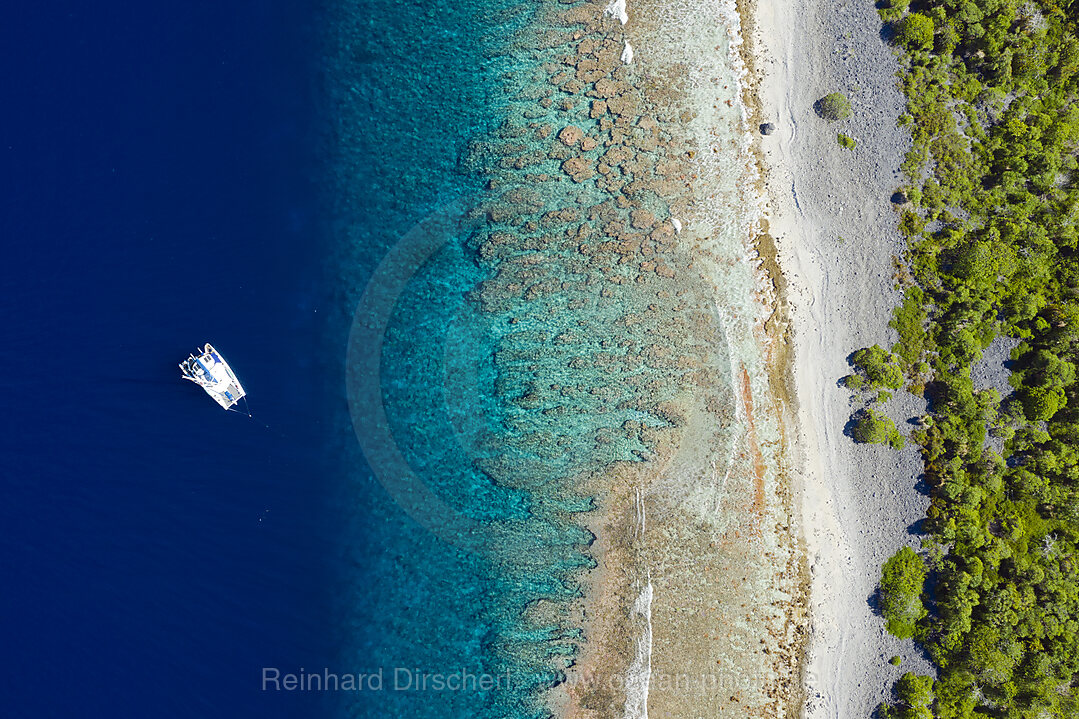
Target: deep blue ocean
point(179, 174)
point(158, 189)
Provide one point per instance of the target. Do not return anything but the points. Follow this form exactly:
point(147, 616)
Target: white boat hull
point(209, 370)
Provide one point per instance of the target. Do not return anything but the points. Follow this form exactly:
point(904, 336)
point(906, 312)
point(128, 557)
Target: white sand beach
point(836, 234)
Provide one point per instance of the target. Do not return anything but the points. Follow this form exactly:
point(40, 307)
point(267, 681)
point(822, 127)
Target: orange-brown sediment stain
point(754, 451)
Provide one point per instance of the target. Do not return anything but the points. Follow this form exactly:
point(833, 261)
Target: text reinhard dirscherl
point(399, 679)
point(404, 679)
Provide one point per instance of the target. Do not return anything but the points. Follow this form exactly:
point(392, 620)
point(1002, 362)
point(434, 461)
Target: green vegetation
point(876, 372)
point(834, 106)
point(901, 584)
point(846, 141)
point(878, 368)
point(915, 31)
point(872, 427)
point(1040, 403)
point(896, 660)
point(915, 695)
point(992, 93)
point(893, 9)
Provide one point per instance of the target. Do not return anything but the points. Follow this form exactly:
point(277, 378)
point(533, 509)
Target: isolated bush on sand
point(834, 106)
point(879, 367)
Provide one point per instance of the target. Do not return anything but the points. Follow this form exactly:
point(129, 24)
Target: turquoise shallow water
point(408, 87)
point(515, 329)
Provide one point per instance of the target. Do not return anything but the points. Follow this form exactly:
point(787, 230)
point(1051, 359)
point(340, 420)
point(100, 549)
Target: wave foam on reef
point(617, 9)
point(640, 671)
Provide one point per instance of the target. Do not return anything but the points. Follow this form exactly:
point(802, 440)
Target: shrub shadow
point(848, 428)
point(875, 602)
point(887, 33)
point(921, 485)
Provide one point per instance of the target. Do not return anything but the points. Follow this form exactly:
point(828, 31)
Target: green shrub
point(910, 224)
point(846, 141)
point(976, 262)
point(834, 106)
point(879, 366)
point(901, 581)
point(915, 31)
point(854, 382)
point(915, 698)
point(896, 660)
point(893, 10)
point(909, 321)
point(871, 427)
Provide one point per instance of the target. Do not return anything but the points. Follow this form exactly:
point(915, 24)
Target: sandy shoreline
point(836, 235)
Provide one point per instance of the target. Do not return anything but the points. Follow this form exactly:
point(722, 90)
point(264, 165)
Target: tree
point(880, 367)
point(893, 9)
point(1069, 58)
point(1041, 403)
point(871, 427)
point(901, 583)
point(975, 262)
point(834, 106)
point(915, 31)
point(1049, 370)
point(915, 695)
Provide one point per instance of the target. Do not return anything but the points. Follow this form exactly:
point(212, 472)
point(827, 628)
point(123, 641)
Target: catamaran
point(209, 370)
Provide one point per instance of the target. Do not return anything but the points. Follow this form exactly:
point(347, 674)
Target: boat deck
point(211, 372)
